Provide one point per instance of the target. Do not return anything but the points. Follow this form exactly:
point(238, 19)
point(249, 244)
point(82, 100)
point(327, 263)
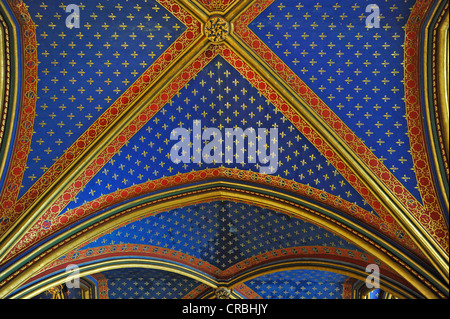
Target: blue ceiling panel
point(356, 70)
point(82, 71)
point(299, 284)
point(220, 98)
point(141, 283)
point(222, 233)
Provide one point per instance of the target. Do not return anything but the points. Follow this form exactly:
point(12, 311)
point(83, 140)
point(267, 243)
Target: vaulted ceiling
point(349, 166)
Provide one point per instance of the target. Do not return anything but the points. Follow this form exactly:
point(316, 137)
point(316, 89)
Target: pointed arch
point(152, 204)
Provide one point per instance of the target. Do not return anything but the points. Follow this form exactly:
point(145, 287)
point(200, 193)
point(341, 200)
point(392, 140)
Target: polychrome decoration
point(203, 149)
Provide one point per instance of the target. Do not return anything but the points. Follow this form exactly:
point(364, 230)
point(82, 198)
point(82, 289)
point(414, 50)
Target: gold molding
point(118, 264)
point(324, 266)
point(3, 70)
point(196, 9)
point(9, 129)
point(140, 212)
point(121, 263)
point(253, 188)
point(443, 82)
point(439, 51)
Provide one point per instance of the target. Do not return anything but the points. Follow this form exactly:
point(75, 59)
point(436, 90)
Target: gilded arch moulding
point(83, 233)
point(35, 287)
point(9, 84)
point(233, 176)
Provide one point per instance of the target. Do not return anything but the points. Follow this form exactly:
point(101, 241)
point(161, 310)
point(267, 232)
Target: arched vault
point(315, 147)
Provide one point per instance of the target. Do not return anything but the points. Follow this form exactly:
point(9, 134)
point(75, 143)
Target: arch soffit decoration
point(41, 285)
point(126, 213)
point(10, 68)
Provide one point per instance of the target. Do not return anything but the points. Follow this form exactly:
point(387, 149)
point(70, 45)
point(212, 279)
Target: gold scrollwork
point(222, 293)
point(217, 29)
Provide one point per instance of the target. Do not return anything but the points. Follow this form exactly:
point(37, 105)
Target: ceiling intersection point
point(216, 29)
point(222, 293)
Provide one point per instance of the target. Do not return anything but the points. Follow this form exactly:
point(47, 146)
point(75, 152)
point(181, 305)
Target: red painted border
point(27, 101)
point(431, 217)
point(102, 286)
point(59, 222)
point(347, 292)
point(216, 5)
point(130, 211)
point(164, 97)
point(246, 292)
point(138, 250)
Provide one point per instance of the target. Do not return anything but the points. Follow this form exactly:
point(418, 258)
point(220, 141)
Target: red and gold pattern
point(213, 271)
point(7, 79)
point(429, 215)
point(281, 254)
point(347, 292)
point(61, 221)
point(102, 285)
point(147, 251)
point(27, 100)
point(246, 292)
point(217, 5)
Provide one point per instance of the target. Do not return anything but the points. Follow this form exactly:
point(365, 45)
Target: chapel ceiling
point(115, 143)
